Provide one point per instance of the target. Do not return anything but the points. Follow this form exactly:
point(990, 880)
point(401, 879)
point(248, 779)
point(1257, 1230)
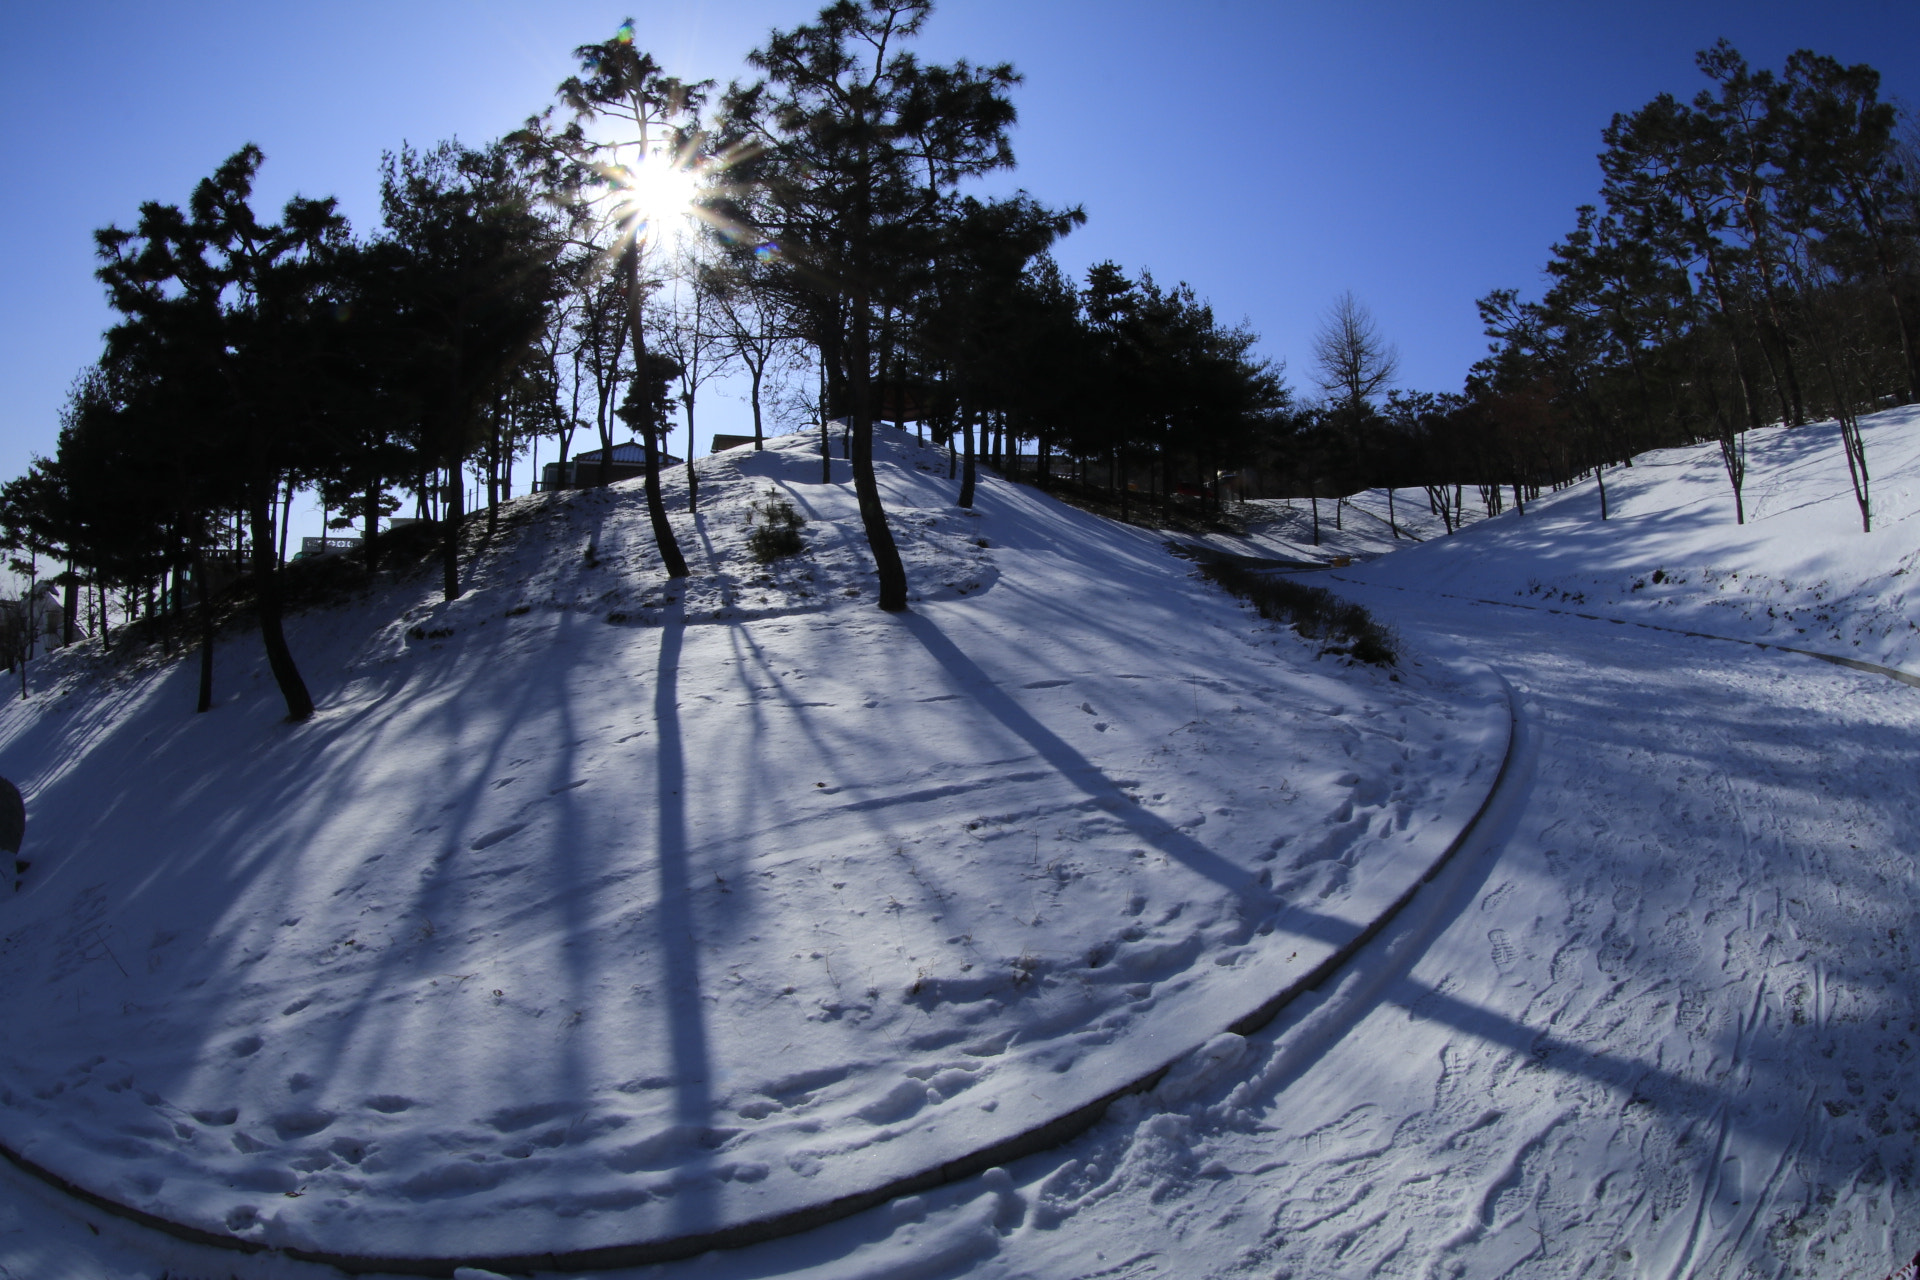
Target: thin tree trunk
point(967, 471)
point(1732, 454)
point(206, 629)
point(759, 442)
point(371, 523)
point(450, 523)
point(826, 445)
point(266, 594)
point(886, 555)
point(33, 591)
point(493, 482)
point(656, 509)
point(693, 477)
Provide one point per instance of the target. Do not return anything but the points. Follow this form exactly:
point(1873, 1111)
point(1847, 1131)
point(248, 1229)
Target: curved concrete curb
point(1858, 664)
point(1049, 1134)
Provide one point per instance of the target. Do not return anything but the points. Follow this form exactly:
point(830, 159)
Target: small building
point(629, 461)
point(312, 547)
point(723, 443)
point(32, 620)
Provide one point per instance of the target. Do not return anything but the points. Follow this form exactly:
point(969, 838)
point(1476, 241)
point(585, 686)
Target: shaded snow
point(1799, 572)
point(592, 908)
point(1656, 1020)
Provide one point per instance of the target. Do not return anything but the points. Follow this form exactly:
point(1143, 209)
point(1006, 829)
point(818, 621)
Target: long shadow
point(1556, 1053)
point(686, 1016)
point(1084, 774)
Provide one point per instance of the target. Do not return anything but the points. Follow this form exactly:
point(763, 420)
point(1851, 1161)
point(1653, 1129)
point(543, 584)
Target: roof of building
point(632, 453)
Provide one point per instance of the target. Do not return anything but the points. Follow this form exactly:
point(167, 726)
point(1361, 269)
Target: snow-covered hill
point(1359, 527)
point(591, 908)
point(1799, 572)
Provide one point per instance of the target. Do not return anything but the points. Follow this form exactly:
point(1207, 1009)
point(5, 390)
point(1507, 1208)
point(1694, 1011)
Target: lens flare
point(658, 195)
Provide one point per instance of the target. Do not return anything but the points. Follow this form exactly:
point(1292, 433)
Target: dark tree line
point(252, 359)
point(514, 292)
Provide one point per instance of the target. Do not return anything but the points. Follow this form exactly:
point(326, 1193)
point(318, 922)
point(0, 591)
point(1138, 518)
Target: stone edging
point(1052, 1133)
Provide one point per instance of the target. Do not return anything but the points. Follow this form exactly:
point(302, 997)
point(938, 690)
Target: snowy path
point(1658, 1024)
point(1664, 1029)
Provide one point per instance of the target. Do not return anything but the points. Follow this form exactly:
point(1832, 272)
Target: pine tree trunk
point(450, 520)
point(371, 546)
point(886, 555)
point(967, 472)
point(493, 484)
point(266, 594)
point(206, 629)
point(826, 444)
point(656, 509)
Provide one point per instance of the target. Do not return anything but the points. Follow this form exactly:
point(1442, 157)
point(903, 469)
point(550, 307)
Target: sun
point(659, 193)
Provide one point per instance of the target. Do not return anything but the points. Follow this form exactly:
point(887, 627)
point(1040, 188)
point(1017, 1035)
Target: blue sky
point(1272, 154)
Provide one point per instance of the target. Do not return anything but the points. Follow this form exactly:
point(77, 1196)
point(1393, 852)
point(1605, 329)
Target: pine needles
point(776, 528)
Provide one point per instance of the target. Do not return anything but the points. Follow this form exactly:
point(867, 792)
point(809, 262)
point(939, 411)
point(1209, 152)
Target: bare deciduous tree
point(1353, 362)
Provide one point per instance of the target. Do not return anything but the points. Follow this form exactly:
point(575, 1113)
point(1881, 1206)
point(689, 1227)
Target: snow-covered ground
point(590, 911)
point(1657, 1019)
point(1800, 572)
point(1356, 528)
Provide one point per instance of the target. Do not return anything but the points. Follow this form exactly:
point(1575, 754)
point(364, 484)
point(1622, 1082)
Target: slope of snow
point(592, 909)
point(1799, 572)
point(1658, 1020)
point(1358, 527)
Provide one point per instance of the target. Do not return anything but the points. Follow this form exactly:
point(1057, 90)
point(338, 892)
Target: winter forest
point(1754, 256)
point(1072, 793)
